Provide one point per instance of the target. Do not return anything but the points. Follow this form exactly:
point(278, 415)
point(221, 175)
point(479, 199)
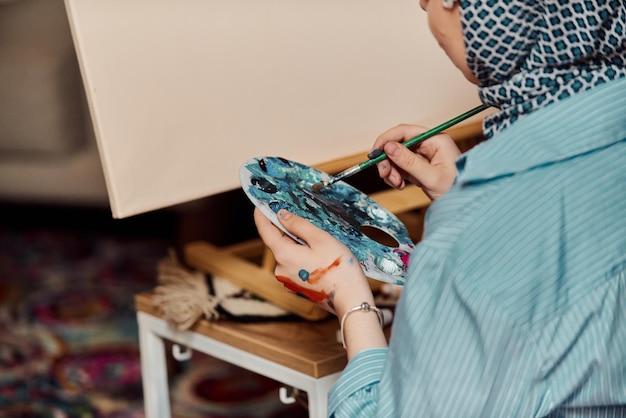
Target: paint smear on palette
point(274, 183)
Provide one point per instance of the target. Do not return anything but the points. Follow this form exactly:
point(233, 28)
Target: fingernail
point(374, 153)
point(284, 214)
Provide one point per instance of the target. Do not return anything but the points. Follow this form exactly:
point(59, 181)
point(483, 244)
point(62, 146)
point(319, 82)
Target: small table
point(301, 354)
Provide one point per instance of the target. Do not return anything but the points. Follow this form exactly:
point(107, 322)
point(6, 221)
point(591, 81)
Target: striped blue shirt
point(515, 302)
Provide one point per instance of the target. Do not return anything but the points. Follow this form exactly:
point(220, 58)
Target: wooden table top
point(309, 347)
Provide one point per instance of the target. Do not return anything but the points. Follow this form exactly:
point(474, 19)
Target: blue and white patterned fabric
point(530, 53)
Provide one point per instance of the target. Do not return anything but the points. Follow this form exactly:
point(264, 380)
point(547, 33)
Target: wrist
point(360, 329)
point(354, 299)
point(365, 308)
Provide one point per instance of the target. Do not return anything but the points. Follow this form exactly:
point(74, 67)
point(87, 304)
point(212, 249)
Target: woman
point(515, 301)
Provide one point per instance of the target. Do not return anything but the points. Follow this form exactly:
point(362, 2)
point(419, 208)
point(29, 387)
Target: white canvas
point(183, 92)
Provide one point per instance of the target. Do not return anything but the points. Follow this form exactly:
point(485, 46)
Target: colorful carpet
point(68, 334)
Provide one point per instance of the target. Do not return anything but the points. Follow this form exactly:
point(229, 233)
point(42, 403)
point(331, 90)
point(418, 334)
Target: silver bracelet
point(364, 307)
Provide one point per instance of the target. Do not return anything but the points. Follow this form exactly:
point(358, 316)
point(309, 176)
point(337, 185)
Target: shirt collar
point(579, 124)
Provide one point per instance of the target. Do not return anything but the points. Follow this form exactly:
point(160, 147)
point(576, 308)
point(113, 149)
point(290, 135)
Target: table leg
point(153, 371)
point(318, 395)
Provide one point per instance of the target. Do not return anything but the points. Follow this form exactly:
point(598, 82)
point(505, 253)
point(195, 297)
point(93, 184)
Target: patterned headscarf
point(530, 53)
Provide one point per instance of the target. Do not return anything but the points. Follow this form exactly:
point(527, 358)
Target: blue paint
point(304, 275)
point(375, 153)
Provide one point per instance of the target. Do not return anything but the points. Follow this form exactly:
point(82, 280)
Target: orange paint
point(316, 275)
point(312, 295)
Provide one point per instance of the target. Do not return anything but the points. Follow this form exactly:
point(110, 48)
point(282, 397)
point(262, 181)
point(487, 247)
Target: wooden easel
point(235, 262)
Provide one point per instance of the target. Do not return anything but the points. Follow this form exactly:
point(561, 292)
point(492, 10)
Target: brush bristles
point(318, 186)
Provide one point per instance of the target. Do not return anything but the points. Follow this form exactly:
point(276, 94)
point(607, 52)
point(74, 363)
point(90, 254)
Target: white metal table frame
point(153, 331)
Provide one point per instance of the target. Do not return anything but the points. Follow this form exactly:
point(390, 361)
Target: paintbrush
point(378, 155)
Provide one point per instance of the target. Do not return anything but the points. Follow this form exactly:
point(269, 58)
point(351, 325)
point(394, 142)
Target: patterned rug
point(68, 333)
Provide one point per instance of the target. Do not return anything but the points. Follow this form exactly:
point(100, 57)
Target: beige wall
point(47, 146)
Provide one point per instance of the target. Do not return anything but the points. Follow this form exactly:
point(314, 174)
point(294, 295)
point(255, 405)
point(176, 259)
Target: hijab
point(530, 53)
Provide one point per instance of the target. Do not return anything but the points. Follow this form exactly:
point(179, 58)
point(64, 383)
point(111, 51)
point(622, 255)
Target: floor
point(68, 340)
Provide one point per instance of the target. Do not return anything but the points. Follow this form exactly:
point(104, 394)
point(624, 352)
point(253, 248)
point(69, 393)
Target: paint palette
point(375, 236)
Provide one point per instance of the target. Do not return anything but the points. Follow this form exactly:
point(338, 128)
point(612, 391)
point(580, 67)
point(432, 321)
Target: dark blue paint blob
point(276, 206)
point(264, 184)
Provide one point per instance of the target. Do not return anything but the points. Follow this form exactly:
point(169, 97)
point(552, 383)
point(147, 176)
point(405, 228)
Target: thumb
point(296, 225)
point(407, 161)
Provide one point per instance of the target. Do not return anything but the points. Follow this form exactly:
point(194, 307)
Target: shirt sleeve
point(356, 392)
